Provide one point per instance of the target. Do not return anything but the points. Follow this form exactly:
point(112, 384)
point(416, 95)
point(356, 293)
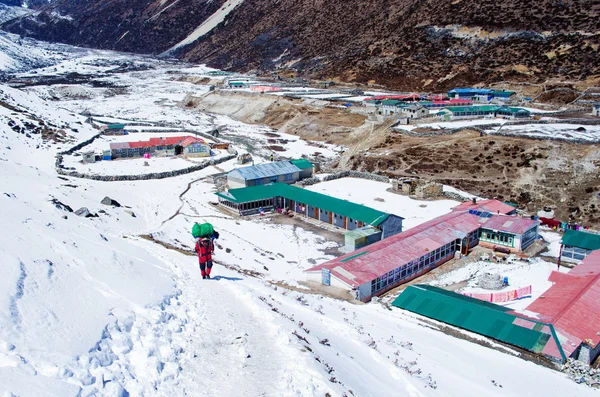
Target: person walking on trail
point(205, 248)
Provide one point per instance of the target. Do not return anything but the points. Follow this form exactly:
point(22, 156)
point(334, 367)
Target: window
point(160, 148)
point(288, 177)
point(273, 179)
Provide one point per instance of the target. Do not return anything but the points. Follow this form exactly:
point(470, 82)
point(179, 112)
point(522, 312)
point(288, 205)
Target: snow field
point(375, 195)
point(88, 308)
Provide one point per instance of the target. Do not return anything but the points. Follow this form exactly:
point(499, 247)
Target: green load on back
point(203, 230)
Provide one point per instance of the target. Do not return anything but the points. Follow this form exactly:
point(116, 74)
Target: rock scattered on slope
point(84, 212)
point(108, 201)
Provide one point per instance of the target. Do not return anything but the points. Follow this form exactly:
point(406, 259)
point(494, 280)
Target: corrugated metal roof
point(492, 206)
point(504, 94)
point(354, 211)
point(152, 142)
point(471, 314)
point(461, 109)
point(119, 145)
point(510, 224)
point(265, 170)
point(362, 232)
point(302, 163)
point(397, 250)
point(579, 239)
point(572, 304)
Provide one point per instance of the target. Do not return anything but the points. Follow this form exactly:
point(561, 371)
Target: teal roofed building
point(337, 212)
point(577, 245)
point(484, 318)
point(490, 111)
point(114, 129)
point(307, 168)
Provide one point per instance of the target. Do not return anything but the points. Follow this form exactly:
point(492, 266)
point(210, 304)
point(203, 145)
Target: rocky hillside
point(399, 43)
point(25, 3)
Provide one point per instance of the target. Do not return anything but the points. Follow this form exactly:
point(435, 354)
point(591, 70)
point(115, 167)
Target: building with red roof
point(572, 306)
point(386, 264)
point(492, 206)
point(510, 232)
point(189, 146)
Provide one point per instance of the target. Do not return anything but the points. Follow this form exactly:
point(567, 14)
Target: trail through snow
point(207, 336)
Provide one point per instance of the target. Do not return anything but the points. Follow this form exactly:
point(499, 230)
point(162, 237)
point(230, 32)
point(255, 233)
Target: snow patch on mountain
point(209, 24)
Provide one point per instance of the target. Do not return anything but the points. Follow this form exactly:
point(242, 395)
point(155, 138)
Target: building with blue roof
point(480, 94)
point(262, 174)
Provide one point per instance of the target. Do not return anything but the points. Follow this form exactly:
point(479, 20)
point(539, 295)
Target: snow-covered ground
point(455, 124)
point(209, 24)
point(520, 274)
point(589, 133)
point(90, 308)
point(376, 195)
point(553, 238)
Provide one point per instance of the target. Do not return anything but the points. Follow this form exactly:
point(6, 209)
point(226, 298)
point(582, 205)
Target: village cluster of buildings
point(382, 266)
point(389, 257)
point(459, 104)
point(381, 256)
point(562, 323)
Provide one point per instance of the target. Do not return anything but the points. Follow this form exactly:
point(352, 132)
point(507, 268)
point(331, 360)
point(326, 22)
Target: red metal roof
point(172, 140)
point(368, 263)
point(510, 224)
point(572, 304)
point(492, 206)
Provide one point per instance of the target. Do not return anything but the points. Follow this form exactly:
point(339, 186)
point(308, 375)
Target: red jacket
point(204, 251)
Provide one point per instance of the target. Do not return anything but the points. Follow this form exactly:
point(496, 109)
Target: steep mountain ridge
point(400, 43)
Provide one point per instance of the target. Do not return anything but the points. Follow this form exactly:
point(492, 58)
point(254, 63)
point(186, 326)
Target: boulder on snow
point(108, 201)
point(83, 211)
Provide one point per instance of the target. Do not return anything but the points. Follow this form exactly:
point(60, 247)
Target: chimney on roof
point(474, 201)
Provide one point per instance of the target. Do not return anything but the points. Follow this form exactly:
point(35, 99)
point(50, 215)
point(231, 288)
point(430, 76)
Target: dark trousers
point(205, 268)
point(208, 264)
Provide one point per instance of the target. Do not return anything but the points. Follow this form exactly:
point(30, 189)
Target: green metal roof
point(115, 126)
point(355, 211)
point(506, 109)
point(302, 163)
point(474, 315)
point(583, 240)
point(504, 94)
point(462, 109)
point(392, 102)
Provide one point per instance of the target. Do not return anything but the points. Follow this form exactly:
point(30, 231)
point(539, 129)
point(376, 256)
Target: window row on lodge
point(430, 259)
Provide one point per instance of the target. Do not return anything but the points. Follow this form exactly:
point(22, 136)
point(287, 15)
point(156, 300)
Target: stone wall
point(357, 174)
point(432, 189)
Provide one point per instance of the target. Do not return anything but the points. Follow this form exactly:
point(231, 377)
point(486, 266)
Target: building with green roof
point(472, 112)
point(337, 212)
point(577, 245)
point(484, 318)
point(306, 167)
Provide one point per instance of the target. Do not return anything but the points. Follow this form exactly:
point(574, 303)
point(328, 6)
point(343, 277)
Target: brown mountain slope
point(400, 43)
point(139, 26)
